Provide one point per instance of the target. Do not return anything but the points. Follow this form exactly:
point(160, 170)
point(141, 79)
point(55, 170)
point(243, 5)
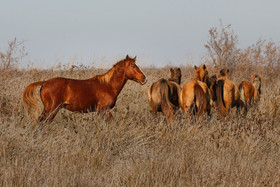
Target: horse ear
point(171, 70)
point(204, 66)
point(127, 57)
point(227, 71)
point(195, 67)
point(134, 58)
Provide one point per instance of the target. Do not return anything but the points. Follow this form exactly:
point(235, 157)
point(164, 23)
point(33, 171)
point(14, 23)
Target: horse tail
point(166, 106)
point(200, 99)
point(31, 99)
point(242, 94)
point(220, 97)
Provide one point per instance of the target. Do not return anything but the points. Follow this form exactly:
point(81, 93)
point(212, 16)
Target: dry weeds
point(83, 150)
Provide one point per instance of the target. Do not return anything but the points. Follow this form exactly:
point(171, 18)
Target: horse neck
point(118, 81)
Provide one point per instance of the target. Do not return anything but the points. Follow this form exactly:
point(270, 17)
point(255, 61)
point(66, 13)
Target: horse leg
point(169, 116)
point(49, 113)
point(42, 117)
point(106, 114)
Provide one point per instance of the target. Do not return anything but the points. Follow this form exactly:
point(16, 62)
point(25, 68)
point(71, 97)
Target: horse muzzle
point(143, 82)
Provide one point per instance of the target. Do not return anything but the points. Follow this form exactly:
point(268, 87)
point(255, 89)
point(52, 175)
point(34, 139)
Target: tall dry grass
point(83, 150)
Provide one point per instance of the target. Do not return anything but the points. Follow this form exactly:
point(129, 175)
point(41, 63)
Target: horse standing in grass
point(163, 95)
point(98, 93)
point(195, 95)
point(250, 91)
point(227, 94)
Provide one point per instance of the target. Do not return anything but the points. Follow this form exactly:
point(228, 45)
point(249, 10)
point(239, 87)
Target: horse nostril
point(145, 80)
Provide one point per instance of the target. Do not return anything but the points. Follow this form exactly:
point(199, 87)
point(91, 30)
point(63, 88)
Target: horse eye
point(133, 66)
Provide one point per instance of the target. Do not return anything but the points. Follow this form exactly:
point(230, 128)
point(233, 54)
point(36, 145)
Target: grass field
point(84, 150)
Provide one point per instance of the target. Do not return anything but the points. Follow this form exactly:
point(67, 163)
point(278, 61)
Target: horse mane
point(106, 78)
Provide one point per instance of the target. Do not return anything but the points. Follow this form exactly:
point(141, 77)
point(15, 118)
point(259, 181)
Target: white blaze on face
point(143, 74)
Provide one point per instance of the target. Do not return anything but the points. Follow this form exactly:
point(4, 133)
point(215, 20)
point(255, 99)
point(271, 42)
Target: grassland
point(84, 150)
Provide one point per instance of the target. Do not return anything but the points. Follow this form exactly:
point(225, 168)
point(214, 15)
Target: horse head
point(224, 73)
point(133, 72)
point(175, 75)
point(200, 73)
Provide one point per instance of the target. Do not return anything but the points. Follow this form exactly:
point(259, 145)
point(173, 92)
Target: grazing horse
point(98, 93)
point(163, 95)
point(227, 94)
point(195, 96)
point(250, 91)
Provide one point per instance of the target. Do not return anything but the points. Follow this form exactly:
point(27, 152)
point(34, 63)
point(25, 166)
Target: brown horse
point(227, 94)
point(195, 96)
point(98, 93)
point(250, 91)
point(163, 95)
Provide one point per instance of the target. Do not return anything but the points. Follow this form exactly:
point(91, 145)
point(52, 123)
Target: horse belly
point(80, 105)
point(80, 101)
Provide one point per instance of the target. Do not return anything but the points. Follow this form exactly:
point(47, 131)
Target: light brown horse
point(195, 95)
point(250, 91)
point(163, 95)
point(193, 99)
point(227, 94)
point(98, 93)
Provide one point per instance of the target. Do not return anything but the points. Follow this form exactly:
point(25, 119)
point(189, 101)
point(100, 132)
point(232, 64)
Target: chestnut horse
point(250, 91)
point(195, 95)
point(98, 93)
point(163, 95)
point(227, 94)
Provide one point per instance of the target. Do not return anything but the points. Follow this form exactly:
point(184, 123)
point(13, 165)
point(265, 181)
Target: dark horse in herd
point(100, 93)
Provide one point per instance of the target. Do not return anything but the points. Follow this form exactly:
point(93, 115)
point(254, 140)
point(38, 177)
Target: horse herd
point(202, 93)
point(100, 93)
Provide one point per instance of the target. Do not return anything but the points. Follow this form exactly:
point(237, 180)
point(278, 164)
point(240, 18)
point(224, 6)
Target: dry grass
point(83, 150)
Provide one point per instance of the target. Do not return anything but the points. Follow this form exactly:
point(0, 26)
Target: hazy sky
point(157, 31)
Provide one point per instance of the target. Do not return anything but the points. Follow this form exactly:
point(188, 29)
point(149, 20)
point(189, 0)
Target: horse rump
point(200, 100)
